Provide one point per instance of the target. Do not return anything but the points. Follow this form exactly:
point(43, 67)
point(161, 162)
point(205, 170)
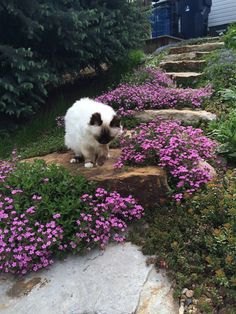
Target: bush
point(196, 239)
point(48, 39)
point(224, 131)
point(178, 149)
point(46, 212)
point(221, 69)
point(22, 84)
point(152, 89)
point(230, 37)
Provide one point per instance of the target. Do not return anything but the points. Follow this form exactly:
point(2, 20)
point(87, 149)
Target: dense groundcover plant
point(179, 149)
point(46, 212)
point(156, 92)
point(197, 241)
point(221, 69)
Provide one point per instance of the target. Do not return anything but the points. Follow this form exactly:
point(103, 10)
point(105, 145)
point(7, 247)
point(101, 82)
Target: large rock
point(184, 115)
point(147, 184)
point(114, 281)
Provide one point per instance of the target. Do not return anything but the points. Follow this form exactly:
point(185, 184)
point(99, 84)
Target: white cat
point(89, 127)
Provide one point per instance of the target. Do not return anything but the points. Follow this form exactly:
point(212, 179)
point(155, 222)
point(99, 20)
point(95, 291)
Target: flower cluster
point(35, 226)
point(149, 75)
point(106, 217)
point(155, 93)
point(25, 243)
point(181, 150)
point(60, 121)
point(5, 168)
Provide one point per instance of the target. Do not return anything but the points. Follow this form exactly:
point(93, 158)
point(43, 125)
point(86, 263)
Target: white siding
point(222, 12)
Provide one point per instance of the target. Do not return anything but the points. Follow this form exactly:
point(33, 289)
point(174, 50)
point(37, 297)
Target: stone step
point(202, 47)
point(202, 54)
point(147, 184)
point(183, 65)
point(186, 56)
point(184, 115)
point(184, 78)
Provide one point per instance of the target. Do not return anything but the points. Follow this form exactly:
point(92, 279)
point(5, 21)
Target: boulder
point(147, 184)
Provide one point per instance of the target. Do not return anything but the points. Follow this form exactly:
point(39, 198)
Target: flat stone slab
point(186, 56)
point(114, 281)
point(200, 47)
point(185, 115)
point(183, 65)
point(147, 184)
point(184, 75)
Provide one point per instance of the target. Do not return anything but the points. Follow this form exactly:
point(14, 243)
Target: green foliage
point(224, 131)
point(42, 40)
point(22, 83)
point(60, 194)
point(154, 60)
point(228, 95)
point(221, 69)
point(197, 240)
point(230, 37)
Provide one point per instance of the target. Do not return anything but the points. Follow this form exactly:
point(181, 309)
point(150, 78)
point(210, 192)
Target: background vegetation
point(42, 40)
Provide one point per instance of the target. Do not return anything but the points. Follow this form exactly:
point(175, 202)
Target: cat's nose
point(104, 141)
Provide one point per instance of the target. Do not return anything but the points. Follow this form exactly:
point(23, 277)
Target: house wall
point(222, 12)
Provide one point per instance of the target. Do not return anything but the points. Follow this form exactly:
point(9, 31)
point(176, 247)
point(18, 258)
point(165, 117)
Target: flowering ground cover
point(195, 242)
point(178, 149)
point(46, 212)
point(155, 90)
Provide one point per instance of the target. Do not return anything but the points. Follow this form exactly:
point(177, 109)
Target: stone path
point(185, 63)
point(114, 281)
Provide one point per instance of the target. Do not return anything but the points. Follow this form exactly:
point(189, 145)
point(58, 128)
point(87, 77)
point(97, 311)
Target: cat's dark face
point(104, 133)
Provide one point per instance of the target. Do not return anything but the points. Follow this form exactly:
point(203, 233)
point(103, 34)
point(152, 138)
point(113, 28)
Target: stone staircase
point(185, 64)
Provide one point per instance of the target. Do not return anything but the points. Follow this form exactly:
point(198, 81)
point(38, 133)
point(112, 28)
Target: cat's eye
point(115, 122)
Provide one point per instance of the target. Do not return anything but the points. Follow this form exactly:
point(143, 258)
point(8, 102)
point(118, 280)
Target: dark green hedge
point(40, 40)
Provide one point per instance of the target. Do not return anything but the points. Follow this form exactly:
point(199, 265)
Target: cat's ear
point(96, 119)
point(115, 122)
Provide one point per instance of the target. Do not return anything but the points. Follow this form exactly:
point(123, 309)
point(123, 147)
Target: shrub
point(22, 84)
point(225, 132)
point(228, 95)
point(196, 239)
point(155, 93)
point(230, 37)
point(221, 69)
point(46, 212)
point(178, 149)
point(63, 37)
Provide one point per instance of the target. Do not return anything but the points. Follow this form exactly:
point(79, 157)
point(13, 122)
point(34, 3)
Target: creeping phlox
point(29, 242)
point(179, 149)
point(157, 92)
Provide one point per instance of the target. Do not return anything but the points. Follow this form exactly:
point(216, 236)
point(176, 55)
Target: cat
point(89, 128)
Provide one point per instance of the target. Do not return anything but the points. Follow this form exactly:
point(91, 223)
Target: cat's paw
point(73, 161)
point(108, 156)
point(76, 159)
point(88, 165)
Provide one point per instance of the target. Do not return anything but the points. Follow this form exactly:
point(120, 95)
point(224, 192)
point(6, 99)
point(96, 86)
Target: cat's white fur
point(80, 135)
